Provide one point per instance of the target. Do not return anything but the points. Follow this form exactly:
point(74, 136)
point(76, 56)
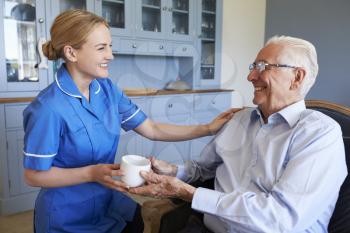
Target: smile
point(259, 88)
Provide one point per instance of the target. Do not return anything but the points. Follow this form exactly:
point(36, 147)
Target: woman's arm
point(168, 132)
point(59, 177)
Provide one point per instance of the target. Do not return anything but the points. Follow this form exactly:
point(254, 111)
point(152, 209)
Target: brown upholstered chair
point(170, 216)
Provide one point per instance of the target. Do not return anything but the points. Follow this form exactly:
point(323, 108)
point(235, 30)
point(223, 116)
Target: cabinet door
point(15, 163)
point(180, 21)
point(173, 152)
point(59, 6)
point(151, 18)
point(119, 15)
point(209, 23)
point(21, 30)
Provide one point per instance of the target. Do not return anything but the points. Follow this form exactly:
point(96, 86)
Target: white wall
point(242, 38)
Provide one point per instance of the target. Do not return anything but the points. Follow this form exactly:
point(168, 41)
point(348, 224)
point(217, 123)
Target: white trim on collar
point(99, 87)
point(59, 86)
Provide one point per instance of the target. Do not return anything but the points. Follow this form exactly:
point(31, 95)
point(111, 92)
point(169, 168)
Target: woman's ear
point(70, 53)
point(298, 79)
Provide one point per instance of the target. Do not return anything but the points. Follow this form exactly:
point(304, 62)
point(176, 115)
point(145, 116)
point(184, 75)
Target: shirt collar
point(291, 113)
point(66, 84)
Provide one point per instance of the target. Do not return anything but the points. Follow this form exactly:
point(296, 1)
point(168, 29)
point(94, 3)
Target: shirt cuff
point(206, 200)
point(181, 174)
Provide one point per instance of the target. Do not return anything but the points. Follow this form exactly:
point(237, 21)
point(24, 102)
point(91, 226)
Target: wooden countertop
point(129, 92)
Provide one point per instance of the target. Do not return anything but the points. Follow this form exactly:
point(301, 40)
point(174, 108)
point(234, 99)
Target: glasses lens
point(260, 66)
point(251, 66)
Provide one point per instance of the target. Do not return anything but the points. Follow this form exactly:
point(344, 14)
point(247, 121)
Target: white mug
point(132, 165)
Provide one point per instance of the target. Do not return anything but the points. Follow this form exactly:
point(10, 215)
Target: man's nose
point(253, 75)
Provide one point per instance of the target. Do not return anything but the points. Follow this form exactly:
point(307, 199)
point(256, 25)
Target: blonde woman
point(72, 131)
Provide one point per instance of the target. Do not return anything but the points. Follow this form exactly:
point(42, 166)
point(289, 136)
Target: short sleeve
point(42, 129)
point(130, 114)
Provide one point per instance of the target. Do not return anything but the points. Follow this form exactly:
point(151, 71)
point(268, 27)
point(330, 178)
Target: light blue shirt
point(282, 176)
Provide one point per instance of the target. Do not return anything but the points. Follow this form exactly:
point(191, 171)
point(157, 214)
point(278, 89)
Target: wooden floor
point(17, 223)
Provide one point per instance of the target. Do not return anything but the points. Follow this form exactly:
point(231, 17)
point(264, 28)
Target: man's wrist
point(174, 170)
point(188, 192)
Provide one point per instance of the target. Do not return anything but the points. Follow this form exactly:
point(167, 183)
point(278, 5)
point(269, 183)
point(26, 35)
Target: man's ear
point(70, 53)
point(298, 79)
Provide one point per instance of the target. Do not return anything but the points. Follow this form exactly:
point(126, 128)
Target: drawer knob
point(161, 47)
point(134, 46)
point(184, 49)
point(170, 105)
point(213, 101)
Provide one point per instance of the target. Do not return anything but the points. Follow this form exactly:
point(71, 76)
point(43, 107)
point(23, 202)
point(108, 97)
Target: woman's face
point(95, 54)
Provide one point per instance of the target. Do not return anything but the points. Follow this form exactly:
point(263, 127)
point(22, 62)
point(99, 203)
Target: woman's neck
point(81, 80)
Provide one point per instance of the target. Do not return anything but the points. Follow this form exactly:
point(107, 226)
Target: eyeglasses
point(261, 66)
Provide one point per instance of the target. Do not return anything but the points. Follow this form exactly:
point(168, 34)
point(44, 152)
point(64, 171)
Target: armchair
point(170, 215)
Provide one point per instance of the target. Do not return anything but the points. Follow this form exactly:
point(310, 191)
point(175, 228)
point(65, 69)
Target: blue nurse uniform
point(63, 129)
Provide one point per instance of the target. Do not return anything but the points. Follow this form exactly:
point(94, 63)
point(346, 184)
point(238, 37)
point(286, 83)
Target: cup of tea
point(132, 165)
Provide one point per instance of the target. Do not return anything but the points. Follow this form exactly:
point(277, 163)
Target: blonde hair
point(71, 27)
point(301, 53)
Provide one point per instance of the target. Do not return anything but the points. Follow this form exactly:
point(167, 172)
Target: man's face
point(273, 86)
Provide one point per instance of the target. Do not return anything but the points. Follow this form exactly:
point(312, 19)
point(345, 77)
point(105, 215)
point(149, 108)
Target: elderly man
point(277, 167)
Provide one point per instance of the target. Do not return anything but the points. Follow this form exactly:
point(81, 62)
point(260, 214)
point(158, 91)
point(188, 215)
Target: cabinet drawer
point(184, 50)
point(170, 105)
point(115, 44)
point(14, 115)
point(133, 46)
point(162, 48)
point(210, 102)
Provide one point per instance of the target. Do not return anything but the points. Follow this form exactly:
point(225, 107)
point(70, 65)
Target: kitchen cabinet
point(165, 19)
point(206, 108)
point(22, 29)
point(209, 26)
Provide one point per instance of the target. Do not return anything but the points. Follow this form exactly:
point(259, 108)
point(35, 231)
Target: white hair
point(303, 55)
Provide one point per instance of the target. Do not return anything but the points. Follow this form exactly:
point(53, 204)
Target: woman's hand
point(163, 168)
point(221, 120)
point(103, 174)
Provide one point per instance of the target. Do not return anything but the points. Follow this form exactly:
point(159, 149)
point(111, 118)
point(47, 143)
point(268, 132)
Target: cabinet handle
point(165, 8)
point(170, 9)
point(161, 47)
point(213, 101)
point(184, 49)
point(134, 46)
point(43, 61)
point(170, 105)
point(41, 20)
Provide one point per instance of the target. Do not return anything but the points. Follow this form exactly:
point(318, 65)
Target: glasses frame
point(261, 66)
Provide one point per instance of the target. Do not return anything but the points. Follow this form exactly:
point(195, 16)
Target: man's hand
point(164, 186)
point(221, 120)
point(163, 168)
point(103, 174)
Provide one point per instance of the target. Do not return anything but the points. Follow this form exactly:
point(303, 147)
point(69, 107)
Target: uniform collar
point(66, 84)
point(291, 114)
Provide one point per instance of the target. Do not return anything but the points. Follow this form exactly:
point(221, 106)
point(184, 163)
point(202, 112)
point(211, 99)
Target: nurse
point(72, 131)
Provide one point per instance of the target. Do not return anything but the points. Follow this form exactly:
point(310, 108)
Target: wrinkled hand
point(221, 120)
point(103, 174)
point(163, 168)
point(164, 186)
